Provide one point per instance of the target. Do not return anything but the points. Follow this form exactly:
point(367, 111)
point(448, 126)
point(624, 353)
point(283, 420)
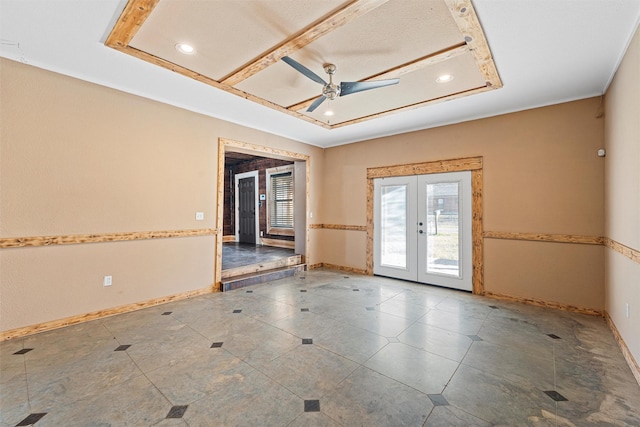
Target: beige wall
point(541, 175)
point(78, 158)
point(622, 196)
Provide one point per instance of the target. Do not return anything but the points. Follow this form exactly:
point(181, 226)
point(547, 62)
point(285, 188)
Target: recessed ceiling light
point(185, 48)
point(328, 113)
point(444, 78)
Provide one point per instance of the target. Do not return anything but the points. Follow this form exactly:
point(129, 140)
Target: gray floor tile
point(494, 399)
point(512, 364)
point(403, 308)
point(416, 368)
point(62, 380)
point(445, 343)
point(367, 398)
point(309, 371)
point(315, 419)
point(450, 416)
point(166, 349)
point(454, 321)
point(14, 401)
point(133, 402)
point(353, 343)
point(190, 379)
point(253, 400)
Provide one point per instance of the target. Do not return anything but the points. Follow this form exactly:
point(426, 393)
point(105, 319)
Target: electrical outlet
point(107, 281)
point(199, 216)
point(628, 311)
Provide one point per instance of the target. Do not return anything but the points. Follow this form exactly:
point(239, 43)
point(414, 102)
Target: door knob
point(421, 232)
point(420, 224)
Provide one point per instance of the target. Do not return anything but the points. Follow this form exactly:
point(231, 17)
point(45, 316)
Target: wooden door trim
point(224, 145)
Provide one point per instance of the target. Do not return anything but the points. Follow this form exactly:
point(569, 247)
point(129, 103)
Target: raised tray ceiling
point(239, 45)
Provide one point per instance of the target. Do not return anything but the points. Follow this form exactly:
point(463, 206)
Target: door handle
point(420, 231)
point(420, 224)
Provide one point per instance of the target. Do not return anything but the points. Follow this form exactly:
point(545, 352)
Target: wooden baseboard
point(314, 266)
point(541, 303)
point(289, 244)
point(631, 361)
point(226, 239)
point(342, 268)
point(74, 320)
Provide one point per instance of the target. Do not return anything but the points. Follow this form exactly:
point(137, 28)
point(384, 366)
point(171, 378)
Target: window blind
point(281, 206)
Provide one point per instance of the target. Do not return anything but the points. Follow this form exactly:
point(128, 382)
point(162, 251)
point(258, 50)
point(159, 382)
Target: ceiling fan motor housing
point(331, 91)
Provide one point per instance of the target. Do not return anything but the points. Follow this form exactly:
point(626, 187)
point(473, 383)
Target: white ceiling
point(546, 52)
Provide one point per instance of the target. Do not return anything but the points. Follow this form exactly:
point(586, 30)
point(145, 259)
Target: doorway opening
point(262, 203)
point(471, 164)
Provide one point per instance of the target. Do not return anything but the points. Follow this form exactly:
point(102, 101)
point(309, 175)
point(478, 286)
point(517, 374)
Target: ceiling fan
point(332, 90)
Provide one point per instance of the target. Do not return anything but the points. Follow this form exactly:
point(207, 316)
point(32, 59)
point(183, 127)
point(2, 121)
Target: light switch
point(199, 216)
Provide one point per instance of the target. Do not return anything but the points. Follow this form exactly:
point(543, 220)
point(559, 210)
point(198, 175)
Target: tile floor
point(323, 349)
point(240, 254)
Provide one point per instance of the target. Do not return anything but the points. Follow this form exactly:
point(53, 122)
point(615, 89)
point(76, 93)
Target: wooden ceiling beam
point(467, 21)
point(336, 20)
point(129, 22)
point(409, 67)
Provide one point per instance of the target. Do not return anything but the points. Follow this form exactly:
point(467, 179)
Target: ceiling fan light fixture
point(328, 113)
point(444, 78)
point(185, 48)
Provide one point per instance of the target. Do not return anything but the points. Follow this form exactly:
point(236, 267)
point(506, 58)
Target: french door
point(422, 229)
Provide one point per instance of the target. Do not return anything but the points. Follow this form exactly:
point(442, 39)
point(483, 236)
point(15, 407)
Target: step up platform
point(249, 275)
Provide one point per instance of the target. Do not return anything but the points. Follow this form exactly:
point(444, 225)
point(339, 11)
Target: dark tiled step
point(250, 279)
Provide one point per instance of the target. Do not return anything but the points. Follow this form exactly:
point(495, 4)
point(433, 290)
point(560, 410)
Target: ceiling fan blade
point(304, 70)
point(316, 103)
point(347, 88)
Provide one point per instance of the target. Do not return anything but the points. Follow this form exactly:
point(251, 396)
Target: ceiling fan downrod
point(330, 90)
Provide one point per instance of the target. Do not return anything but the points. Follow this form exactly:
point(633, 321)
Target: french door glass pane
point(443, 229)
point(393, 227)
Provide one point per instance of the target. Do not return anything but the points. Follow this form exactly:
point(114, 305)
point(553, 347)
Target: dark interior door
point(247, 210)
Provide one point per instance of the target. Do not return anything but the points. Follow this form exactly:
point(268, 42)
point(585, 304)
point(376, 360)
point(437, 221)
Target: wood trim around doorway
point(473, 164)
point(224, 145)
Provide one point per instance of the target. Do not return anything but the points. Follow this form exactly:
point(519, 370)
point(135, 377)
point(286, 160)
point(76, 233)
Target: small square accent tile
point(346, 277)
point(303, 290)
point(166, 313)
point(475, 338)
point(494, 307)
point(249, 292)
point(237, 311)
point(302, 277)
point(438, 400)
point(307, 341)
point(31, 419)
point(311, 406)
point(356, 290)
point(216, 345)
point(122, 347)
point(177, 411)
point(555, 396)
point(554, 336)
point(304, 310)
point(371, 308)
point(23, 351)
